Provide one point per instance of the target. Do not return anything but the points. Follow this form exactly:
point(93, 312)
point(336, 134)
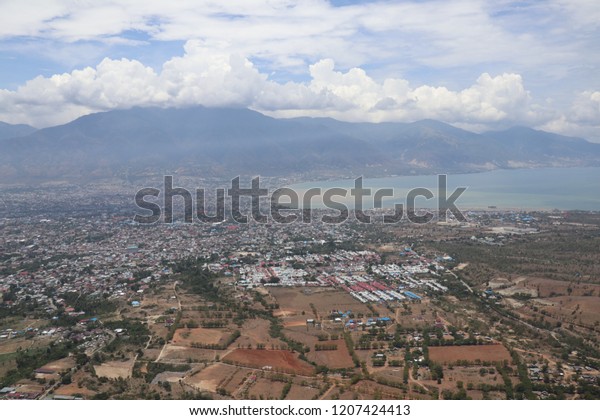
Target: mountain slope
point(227, 142)
point(527, 145)
point(14, 130)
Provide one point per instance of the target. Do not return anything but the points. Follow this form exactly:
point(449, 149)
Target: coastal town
point(98, 306)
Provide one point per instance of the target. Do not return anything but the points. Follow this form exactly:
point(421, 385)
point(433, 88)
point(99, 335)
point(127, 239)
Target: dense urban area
point(95, 306)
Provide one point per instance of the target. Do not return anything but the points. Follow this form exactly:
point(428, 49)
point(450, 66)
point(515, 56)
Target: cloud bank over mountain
point(478, 65)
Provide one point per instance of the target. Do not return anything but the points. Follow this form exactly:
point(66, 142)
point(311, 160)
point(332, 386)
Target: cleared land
point(298, 392)
point(484, 353)
point(334, 359)
point(583, 310)
point(254, 332)
point(265, 389)
point(61, 365)
point(115, 369)
point(278, 360)
point(294, 300)
point(187, 336)
point(211, 378)
point(173, 353)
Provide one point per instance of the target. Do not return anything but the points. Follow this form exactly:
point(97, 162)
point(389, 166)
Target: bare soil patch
point(298, 392)
point(256, 331)
point(579, 309)
point(186, 354)
point(187, 336)
point(210, 379)
point(115, 369)
point(61, 365)
point(297, 299)
point(367, 390)
point(333, 359)
point(276, 360)
point(484, 353)
point(266, 388)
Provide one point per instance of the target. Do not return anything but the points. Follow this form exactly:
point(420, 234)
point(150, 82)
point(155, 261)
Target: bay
point(537, 188)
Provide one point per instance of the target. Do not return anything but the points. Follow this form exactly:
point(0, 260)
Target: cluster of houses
point(357, 272)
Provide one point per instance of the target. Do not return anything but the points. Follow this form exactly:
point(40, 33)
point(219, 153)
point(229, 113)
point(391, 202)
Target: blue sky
point(475, 64)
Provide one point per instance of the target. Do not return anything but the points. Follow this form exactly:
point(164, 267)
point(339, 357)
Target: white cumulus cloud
point(207, 74)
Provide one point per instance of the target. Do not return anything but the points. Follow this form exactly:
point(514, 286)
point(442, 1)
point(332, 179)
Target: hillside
point(227, 142)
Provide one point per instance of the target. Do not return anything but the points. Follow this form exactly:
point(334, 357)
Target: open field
point(263, 388)
point(367, 390)
point(465, 374)
point(552, 288)
point(306, 336)
point(232, 382)
point(74, 389)
point(256, 331)
point(298, 392)
point(14, 344)
point(115, 369)
point(61, 365)
point(211, 378)
point(277, 360)
point(295, 323)
point(334, 359)
point(173, 377)
point(174, 353)
point(294, 300)
point(542, 287)
point(484, 353)
point(583, 310)
point(187, 336)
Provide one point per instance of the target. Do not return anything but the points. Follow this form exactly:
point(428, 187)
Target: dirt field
point(278, 360)
point(256, 331)
point(210, 379)
point(235, 380)
point(183, 354)
point(364, 355)
point(423, 314)
point(543, 287)
point(298, 392)
point(487, 353)
point(61, 365)
point(550, 288)
point(115, 369)
point(367, 389)
point(333, 359)
point(294, 300)
point(579, 309)
point(265, 388)
point(295, 323)
point(308, 338)
point(74, 389)
point(187, 336)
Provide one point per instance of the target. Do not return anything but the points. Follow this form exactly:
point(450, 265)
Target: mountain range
point(202, 141)
point(14, 130)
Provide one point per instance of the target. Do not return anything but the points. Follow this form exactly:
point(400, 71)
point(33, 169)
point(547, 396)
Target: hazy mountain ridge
point(14, 130)
point(225, 141)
